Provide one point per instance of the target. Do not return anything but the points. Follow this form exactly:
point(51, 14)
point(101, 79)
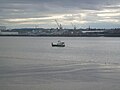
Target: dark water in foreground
point(86, 63)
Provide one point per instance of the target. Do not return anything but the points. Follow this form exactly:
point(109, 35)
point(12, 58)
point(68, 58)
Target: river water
point(85, 63)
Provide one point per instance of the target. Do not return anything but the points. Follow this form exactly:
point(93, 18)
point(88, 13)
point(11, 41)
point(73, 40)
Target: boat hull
point(56, 45)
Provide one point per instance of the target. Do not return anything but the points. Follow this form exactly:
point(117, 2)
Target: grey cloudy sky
point(42, 13)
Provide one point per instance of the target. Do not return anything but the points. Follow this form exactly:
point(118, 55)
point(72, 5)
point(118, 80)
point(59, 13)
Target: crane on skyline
point(59, 25)
point(73, 26)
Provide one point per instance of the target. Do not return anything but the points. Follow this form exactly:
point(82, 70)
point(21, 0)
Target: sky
point(43, 13)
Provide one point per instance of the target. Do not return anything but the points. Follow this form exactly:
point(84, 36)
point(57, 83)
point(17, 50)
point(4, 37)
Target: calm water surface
point(86, 63)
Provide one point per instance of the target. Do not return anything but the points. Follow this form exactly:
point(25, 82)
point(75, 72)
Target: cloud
point(16, 12)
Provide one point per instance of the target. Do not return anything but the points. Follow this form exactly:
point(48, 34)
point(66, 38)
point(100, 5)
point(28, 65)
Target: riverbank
point(106, 35)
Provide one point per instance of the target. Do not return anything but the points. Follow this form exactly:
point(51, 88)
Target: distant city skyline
point(43, 13)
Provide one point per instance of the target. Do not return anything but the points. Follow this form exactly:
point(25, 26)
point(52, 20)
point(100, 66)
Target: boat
point(58, 44)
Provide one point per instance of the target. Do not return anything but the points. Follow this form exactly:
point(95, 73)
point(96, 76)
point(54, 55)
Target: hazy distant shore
point(110, 35)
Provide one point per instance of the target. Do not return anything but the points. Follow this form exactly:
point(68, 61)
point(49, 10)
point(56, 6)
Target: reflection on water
point(31, 63)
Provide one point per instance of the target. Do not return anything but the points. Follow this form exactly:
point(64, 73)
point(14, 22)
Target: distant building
point(2, 27)
point(8, 33)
